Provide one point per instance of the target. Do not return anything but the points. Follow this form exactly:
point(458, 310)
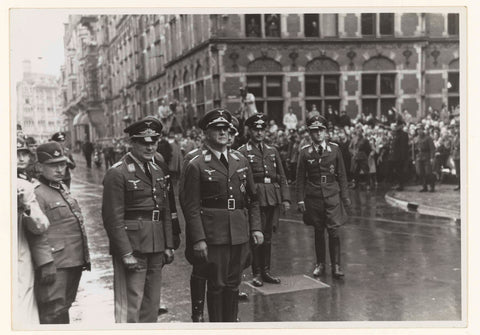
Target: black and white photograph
point(272, 168)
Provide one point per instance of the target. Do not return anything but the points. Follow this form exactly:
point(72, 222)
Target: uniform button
point(53, 249)
point(154, 189)
point(231, 195)
point(209, 178)
point(228, 180)
point(231, 187)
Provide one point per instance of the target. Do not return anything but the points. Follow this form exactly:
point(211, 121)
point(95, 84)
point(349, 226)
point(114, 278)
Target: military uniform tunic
point(221, 207)
point(137, 219)
point(322, 182)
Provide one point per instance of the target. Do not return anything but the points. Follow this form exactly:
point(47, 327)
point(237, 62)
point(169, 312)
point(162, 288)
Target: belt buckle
point(231, 204)
point(323, 179)
point(156, 215)
point(267, 180)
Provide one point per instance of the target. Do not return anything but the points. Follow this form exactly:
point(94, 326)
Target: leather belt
point(330, 178)
point(229, 204)
point(143, 215)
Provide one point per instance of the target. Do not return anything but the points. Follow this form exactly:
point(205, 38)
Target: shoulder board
point(35, 183)
point(305, 146)
point(268, 147)
point(333, 143)
point(195, 157)
point(241, 148)
point(234, 156)
point(191, 152)
point(117, 164)
point(249, 147)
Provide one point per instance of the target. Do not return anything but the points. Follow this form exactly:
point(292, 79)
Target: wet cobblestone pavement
point(399, 266)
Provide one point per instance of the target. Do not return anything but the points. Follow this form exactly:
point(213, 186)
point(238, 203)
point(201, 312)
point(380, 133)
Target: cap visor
point(55, 160)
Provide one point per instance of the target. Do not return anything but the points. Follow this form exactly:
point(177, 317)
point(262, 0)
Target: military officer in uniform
point(272, 191)
point(60, 138)
point(425, 156)
point(61, 253)
point(136, 216)
point(222, 214)
point(321, 192)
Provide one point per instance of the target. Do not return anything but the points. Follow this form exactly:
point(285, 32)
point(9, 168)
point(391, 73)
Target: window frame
point(261, 102)
point(322, 100)
point(378, 96)
point(263, 25)
point(320, 20)
point(377, 25)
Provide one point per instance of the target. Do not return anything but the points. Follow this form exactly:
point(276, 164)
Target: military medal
point(242, 188)
point(332, 169)
point(319, 160)
point(208, 158)
point(267, 180)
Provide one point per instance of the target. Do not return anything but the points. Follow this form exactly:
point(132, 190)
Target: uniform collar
point(136, 160)
point(52, 184)
point(23, 175)
point(218, 153)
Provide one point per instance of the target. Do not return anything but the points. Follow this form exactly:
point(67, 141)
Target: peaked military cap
point(146, 130)
point(50, 152)
point(234, 125)
point(58, 137)
point(421, 126)
point(316, 122)
point(215, 117)
point(22, 144)
point(257, 121)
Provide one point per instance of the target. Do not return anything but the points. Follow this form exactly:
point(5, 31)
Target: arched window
point(379, 91)
point(322, 84)
point(265, 82)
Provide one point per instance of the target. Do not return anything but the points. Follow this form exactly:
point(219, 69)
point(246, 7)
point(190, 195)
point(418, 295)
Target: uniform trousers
point(424, 171)
point(55, 300)
point(225, 266)
point(137, 293)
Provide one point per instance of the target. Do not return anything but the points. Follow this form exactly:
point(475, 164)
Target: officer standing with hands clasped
point(138, 222)
point(321, 192)
point(272, 191)
point(221, 213)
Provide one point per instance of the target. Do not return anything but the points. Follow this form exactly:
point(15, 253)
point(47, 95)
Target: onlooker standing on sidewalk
point(398, 154)
point(425, 156)
point(64, 254)
point(60, 138)
point(108, 154)
point(290, 120)
point(88, 149)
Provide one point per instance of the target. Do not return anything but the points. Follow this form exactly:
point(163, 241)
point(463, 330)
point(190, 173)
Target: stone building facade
point(39, 104)
point(357, 62)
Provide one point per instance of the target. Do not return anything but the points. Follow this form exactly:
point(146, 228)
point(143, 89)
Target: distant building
point(39, 104)
point(357, 62)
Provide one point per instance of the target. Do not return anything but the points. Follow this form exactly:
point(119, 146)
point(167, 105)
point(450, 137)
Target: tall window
point(453, 24)
point(378, 93)
point(200, 92)
point(266, 25)
point(322, 90)
point(320, 25)
point(377, 24)
point(268, 92)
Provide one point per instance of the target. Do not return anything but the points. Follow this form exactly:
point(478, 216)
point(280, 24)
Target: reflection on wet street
point(399, 266)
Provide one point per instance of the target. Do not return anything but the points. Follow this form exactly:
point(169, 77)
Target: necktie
point(260, 148)
point(224, 160)
point(320, 150)
point(147, 170)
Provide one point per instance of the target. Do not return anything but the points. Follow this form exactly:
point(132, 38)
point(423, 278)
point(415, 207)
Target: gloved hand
point(176, 241)
point(257, 237)
point(168, 255)
point(48, 274)
point(130, 262)
point(301, 207)
point(200, 250)
point(286, 206)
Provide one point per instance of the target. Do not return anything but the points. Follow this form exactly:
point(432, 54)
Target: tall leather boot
point(257, 252)
point(334, 248)
point(266, 275)
point(230, 305)
point(320, 252)
point(215, 305)
point(197, 295)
